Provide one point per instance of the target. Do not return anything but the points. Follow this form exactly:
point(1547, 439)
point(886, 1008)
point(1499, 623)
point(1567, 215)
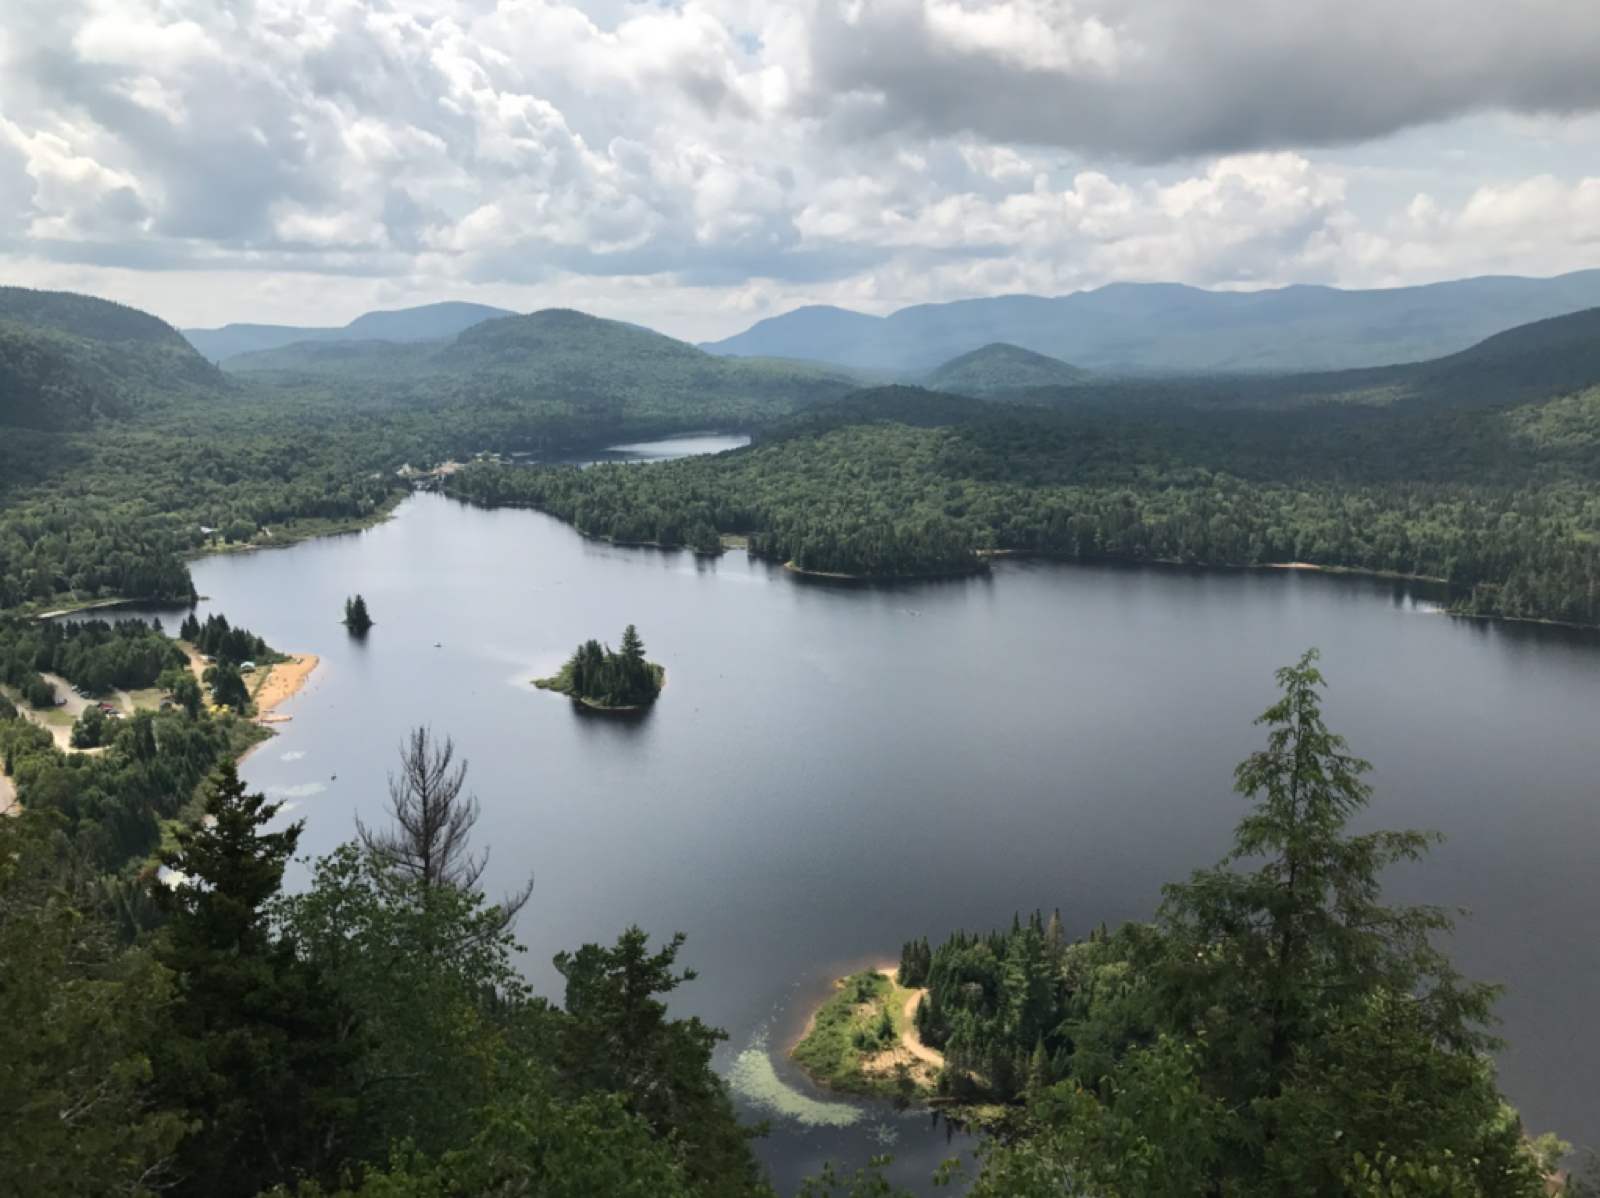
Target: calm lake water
point(833, 770)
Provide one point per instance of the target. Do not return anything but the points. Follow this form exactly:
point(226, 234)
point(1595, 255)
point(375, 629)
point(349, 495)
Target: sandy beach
point(283, 681)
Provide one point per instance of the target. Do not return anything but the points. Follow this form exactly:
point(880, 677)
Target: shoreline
point(284, 680)
point(802, 572)
point(901, 1003)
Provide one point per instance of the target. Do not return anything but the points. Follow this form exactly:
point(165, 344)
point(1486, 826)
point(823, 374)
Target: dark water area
point(832, 770)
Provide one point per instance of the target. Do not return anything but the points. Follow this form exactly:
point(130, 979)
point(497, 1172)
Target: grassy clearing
point(854, 1046)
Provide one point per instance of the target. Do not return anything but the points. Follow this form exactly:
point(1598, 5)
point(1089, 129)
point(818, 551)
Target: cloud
point(1155, 80)
point(694, 163)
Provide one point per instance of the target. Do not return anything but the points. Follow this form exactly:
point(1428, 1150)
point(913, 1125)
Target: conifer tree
point(257, 1053)
point(356, 617)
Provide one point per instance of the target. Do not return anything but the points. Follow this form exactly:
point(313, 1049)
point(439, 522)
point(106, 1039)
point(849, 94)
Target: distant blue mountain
point(1156, 328)
point(432, 322)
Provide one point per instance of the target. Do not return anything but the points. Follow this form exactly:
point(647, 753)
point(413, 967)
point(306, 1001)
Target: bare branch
point(433, 815)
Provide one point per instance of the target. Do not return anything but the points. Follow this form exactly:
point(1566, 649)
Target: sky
point(698, 166)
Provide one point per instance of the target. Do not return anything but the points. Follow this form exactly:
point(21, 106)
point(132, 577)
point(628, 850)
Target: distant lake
point(691, 446)
point(833, 770)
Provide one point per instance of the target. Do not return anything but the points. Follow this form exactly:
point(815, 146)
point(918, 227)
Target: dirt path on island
point(908, 1035)
point(8, 797)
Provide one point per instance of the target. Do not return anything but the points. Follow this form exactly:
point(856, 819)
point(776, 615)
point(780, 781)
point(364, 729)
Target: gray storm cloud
point(1154, 80)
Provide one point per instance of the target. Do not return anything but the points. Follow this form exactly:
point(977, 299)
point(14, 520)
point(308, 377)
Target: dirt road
point(908, 1036)
point(8, 797)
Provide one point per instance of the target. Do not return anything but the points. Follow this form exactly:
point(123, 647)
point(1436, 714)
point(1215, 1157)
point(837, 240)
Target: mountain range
point(69, 361)
point(431, 322)
point(1164, 328)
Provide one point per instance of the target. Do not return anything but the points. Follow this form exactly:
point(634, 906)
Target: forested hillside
point(69, 361)
point(1001, 369)
point(126, 452)
point(129, 453)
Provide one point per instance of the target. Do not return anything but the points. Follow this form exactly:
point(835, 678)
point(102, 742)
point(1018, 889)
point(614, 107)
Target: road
point(908, 1037)
point(75, 703)
point(8, 797)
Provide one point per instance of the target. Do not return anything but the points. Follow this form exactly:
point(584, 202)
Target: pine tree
point(1038, 1070)
point(356, 616)
point(1055, 935)
point(258, 1052)
point(632, 647)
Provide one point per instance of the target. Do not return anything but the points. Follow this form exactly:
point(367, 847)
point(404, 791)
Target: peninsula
point(603, 680)
point(863, 1039)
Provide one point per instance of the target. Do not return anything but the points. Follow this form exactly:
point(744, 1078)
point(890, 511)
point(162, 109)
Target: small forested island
point(356, 617)
point(602, 680)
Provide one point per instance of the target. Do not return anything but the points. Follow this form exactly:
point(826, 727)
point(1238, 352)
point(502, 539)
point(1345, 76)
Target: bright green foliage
point(1271, 953)
point(260, 1053)
point(615, 1038)
point(601, 678)
point(75, 1116)
point(853, 1024)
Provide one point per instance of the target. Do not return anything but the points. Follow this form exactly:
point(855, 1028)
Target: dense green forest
point(1503, 503)
point(599, 677)
point(1479, 469)
point(206, 1033)
point(124, 453)
point(93, 655)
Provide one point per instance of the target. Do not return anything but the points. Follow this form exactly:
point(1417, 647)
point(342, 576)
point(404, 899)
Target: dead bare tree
point(433, 814)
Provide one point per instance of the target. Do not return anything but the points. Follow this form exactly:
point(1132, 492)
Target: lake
point(835, 769)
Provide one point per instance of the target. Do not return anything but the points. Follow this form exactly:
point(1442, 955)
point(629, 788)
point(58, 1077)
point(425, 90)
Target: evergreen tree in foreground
point(1279, 1030)
point(256, 1056)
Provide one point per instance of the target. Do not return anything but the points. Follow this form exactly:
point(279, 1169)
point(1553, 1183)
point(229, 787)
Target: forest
point(1503, 504)
point(181, 1024)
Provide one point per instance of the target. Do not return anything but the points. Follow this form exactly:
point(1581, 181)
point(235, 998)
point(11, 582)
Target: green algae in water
point(754, 1079)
